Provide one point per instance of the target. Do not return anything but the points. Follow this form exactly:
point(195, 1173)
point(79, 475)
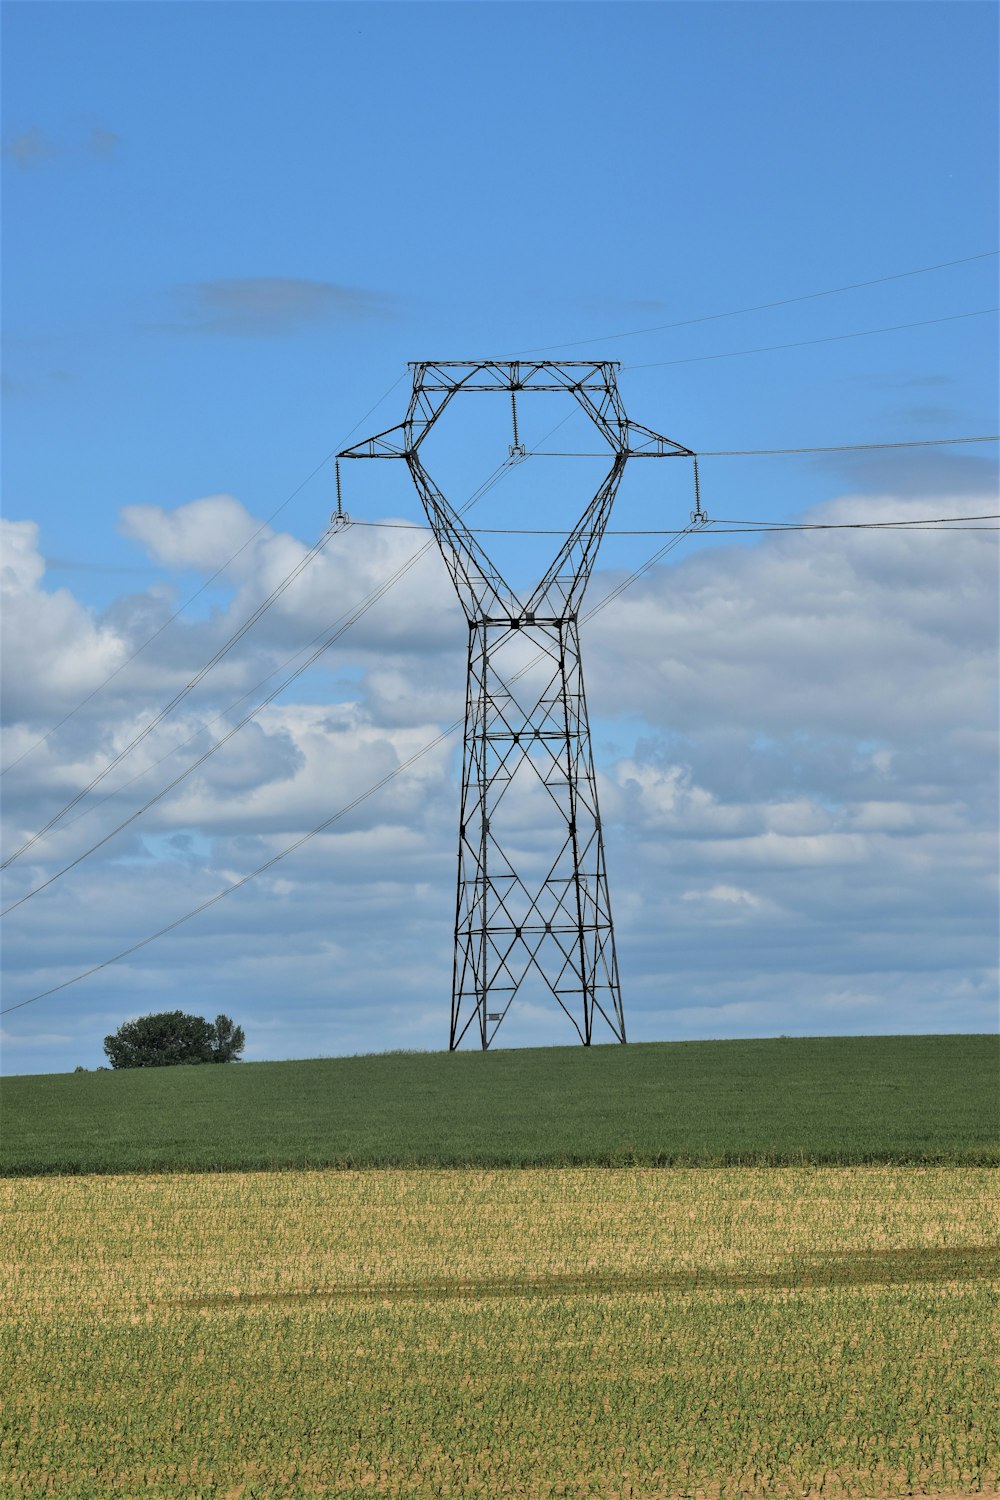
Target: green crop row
point(576, 1333)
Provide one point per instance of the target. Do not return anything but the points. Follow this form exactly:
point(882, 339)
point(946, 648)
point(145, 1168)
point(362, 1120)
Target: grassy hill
point(848, 1100)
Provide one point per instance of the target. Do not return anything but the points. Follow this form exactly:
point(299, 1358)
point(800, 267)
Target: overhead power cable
point(199, 591)
point(767, 452)
point(345, 623)
point(178, 697)
point(925, 523)
point(349, 807)
point(328, 822)
point(744, 526)
point(629, 333)
point(735, 527)
point(830, 338)
point(328, 639)
point(676, 537)
point(508, 463)
point(848, 447)
point(709, 317)
point(736, 312)
point(245, 879)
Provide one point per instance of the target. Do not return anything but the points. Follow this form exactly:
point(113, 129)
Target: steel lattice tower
point(525, 707)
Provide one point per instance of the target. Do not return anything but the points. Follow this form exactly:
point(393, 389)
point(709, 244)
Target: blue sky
point(228, 227)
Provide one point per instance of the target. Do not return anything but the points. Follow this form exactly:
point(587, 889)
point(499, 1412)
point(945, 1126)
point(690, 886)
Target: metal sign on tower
point(526, 715)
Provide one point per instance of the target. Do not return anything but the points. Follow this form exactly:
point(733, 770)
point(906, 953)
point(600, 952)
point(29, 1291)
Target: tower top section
point(514, 374)
point(591, 382)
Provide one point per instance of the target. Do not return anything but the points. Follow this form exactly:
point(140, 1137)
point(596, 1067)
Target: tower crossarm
point(643, 442)
point(592, 383)
point(389, 444)
point(513, 374)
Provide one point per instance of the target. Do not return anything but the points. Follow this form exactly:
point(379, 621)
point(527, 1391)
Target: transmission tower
point(525, 708)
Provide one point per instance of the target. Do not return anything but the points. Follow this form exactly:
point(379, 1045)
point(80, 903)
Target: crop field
point(839, 1101)
point(536, 1333)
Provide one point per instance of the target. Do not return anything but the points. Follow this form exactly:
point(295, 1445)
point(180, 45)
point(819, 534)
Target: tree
point(229, 1041)
point(170, 1038)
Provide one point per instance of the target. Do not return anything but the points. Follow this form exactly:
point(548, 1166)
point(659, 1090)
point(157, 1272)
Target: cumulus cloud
point(860, 635)
point(68, 652)
point(796, 752)
point(203, 534)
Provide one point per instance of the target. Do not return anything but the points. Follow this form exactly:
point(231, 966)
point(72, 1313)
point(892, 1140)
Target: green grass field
point(836, 1100)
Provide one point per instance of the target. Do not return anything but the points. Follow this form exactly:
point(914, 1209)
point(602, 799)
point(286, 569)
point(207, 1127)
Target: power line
point(198, 592)
point(245, 879)
point(762, 452)
point(676, 535)
point(326, 823)
point(848, 447)
point(340, 629)
point(188, 770)
point(920, 523)
point(736, 312)
point(356, 801)
point(746, 527)
point(223, 715)
point(864, 333)
point(511, 462)
point(631, 333)
point(939, 524)
point(831, 338)
point(345, 623)
point(178, 697)
point(923, 522)
point(733, 528)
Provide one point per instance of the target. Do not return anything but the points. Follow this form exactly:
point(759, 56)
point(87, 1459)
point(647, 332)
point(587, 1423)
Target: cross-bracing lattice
point(534, 906)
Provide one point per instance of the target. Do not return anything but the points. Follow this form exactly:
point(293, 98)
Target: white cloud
point(796, 744)
point(203, 534)
point(729, 895)
point(54, 652)
point(856, 634)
